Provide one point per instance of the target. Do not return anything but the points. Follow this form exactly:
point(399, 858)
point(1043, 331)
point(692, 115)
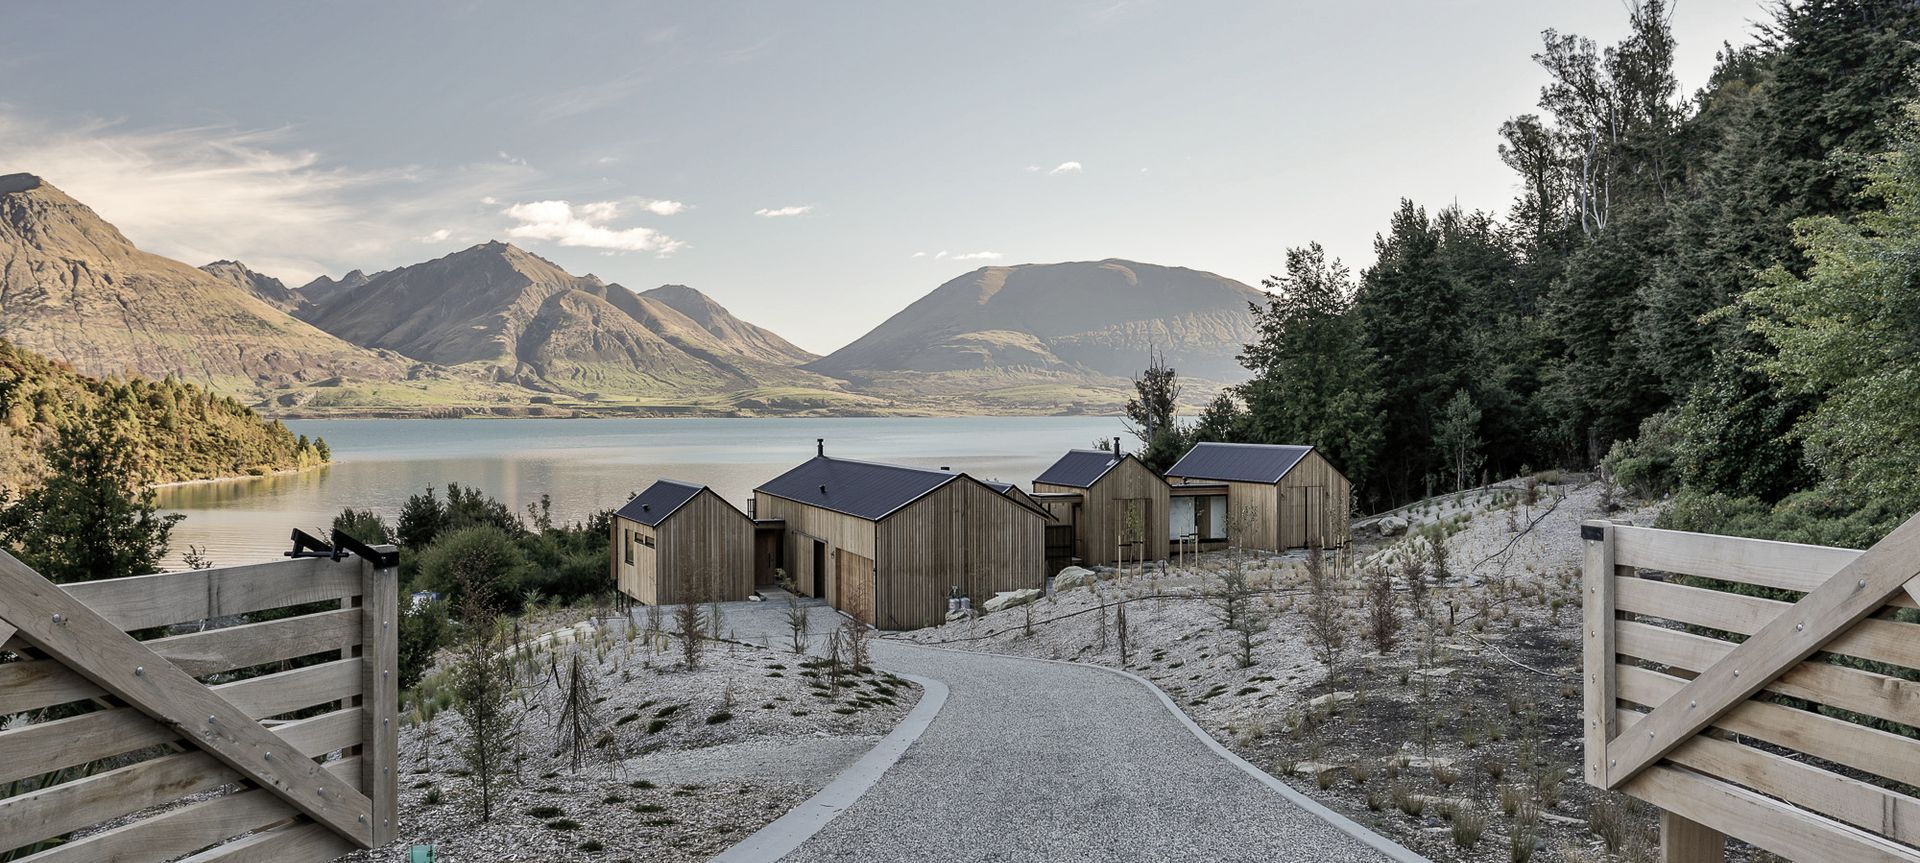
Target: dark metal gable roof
point(863, 489)
point(1080, 468)
point(660, 500)
point(1239, 462)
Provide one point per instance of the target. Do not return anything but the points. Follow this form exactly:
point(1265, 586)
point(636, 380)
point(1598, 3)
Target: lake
point(586, 465)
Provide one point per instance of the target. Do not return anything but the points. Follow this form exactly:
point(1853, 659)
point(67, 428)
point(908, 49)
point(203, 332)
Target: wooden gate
point(289, 723)
point(1762, 690)
point(855, 575)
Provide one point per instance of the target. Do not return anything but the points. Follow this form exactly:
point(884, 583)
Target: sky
point(813, 166)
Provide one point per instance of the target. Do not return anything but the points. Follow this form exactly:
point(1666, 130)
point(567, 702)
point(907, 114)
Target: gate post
point(380, 699)
point(1597, 647)
point(1684, 841)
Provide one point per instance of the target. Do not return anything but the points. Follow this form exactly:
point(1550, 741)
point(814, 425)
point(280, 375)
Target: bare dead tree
point(579, 718)
point(855, 633)
point(1383, 612)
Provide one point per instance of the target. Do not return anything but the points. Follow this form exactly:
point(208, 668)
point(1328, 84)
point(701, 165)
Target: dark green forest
point(1715, 295)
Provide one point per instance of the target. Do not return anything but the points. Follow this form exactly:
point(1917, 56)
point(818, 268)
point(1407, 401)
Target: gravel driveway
point(1052, 762)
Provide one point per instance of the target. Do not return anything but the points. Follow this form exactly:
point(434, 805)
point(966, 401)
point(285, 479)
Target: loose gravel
point(1037, 761)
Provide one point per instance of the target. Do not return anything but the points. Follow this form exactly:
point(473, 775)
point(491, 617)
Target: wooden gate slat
point(40, 683)
point(66, 629)
point(35, 749)
point(1785, 830)
point(300, 843)
point(174, 832)
point(1855, 592)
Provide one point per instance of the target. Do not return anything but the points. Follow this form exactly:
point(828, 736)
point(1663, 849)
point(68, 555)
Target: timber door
point(1133, 513)
point(1061, 542)
point(1310, 502)
point(855, 575)
point(766, 557)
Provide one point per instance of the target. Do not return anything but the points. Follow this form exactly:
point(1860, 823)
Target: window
point(629, 545)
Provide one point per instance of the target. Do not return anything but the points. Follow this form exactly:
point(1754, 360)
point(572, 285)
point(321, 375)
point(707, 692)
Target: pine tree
point(94, 516)
point(1313, 374)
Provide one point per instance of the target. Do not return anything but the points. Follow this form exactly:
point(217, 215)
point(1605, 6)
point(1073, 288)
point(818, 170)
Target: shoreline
point(292, 471)
point(482, 414)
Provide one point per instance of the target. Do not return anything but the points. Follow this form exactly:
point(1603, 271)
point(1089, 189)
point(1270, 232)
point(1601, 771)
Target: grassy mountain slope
point(1090, 320)
point(74, 288)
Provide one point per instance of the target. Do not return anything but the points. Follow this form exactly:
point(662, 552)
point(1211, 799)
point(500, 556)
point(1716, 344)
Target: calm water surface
point(587, 465)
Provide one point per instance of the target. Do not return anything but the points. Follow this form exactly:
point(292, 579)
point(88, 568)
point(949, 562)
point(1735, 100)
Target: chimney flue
point(819, 446)
point(1116, 446)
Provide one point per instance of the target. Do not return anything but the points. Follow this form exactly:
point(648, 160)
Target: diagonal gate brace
point(72, 633)
point(1863, 586)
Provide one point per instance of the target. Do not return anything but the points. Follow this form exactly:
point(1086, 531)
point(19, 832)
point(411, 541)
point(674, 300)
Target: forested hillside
point(179, 430)
point(1710, 294)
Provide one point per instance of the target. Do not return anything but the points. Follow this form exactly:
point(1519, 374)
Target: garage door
point(856, 585)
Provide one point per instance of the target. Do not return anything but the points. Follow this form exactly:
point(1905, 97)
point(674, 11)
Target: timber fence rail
point(1760, 690)
point(266, 732)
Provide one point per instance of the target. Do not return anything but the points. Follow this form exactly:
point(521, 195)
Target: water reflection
point(586, 465)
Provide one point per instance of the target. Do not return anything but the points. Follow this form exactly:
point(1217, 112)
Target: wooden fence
point(1769, 697)
point(269, 738)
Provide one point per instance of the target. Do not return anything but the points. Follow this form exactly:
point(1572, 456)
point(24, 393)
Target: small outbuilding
point(887, 544)
point(678, 541)
point(1264, 496)
point(1109, 508)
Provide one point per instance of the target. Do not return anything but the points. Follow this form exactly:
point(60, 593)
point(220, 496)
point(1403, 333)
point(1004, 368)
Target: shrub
point(1469, 824)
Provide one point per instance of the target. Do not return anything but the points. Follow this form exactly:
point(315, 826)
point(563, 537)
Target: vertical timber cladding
point(1101, 515)
point(1310, 503)
point(963, 535)
point(708, 540)
point(854, 582)
point(1314, 502)
point(702, 542)
point(808, 524)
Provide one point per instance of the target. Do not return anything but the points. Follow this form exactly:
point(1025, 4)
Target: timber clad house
point(1261, 496)
point(1105, 509)
point(887, 544)
point(678, 540)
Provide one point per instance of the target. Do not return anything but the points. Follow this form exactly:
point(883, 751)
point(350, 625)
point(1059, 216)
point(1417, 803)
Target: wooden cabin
point(887, 544)
point(1109, 508)
point(1264, 496)
point(678, 540)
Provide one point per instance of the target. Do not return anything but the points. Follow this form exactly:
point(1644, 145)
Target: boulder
point(1392, 525)
point(1010, 598)
point(1072, 577)
point(1334, 698)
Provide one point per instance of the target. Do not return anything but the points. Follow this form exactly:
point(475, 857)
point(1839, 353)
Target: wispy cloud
point(777, 212)
point(663, 208)
point(1066, 168)
point(205, 193)
point(438, 236)
point(585, 226)
point(943, 255)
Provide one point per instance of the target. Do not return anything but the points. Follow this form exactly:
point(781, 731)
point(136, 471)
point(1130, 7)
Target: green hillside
point(185, 431)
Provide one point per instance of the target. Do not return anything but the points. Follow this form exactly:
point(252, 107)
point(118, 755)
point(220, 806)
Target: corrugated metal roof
point(863, 489)
point(1239, 462)
point(660, 500)
point(1079, 468)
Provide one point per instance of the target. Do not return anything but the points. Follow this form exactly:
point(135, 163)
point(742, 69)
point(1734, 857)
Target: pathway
point(1039, 761)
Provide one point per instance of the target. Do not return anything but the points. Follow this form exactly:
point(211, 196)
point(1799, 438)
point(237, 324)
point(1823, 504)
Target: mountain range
point(497, 329)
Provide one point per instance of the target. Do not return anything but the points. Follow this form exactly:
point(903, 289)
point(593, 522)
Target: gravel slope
point(1050, 762)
